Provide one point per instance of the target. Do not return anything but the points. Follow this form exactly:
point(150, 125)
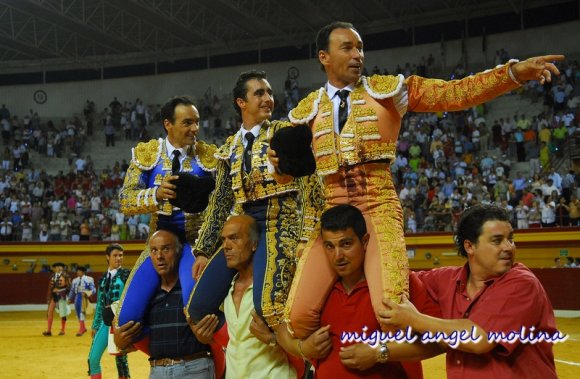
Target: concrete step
point(101, 155)
point(509, 105)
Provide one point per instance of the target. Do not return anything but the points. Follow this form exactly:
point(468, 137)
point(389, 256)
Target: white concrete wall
point(65, 99)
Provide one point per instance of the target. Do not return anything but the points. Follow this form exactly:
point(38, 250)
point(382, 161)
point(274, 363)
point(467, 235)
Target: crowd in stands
point(445, 163)
point(571, 262)
point(77, 206)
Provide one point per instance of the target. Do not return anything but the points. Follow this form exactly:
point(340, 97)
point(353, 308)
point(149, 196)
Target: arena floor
point(25, 353)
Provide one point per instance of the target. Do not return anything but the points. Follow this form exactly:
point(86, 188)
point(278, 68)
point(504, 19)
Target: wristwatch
point(383, 353)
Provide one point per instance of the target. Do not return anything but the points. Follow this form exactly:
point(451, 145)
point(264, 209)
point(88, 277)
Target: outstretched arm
point(537, 68)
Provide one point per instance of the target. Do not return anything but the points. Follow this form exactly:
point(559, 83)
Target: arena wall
point(536, 249)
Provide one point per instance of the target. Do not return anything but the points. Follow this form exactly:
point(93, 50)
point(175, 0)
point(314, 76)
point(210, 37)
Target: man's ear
point(468, 246)
point(166, 124)
point(323, 57)
point(365, 240)
point(241, 102)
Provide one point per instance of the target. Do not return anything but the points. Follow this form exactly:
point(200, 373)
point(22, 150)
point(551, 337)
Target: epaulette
point(306, 109)
point(205, 153)
point(276, 125)
point(383, 86)
point(225, 151)
point(146, 154)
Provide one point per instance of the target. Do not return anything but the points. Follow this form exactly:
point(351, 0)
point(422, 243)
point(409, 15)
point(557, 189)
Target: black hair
point(113, 246)
point(342, 217)
point(168, 109)
point(240, 90)
point(471, 223)
point(323, 35)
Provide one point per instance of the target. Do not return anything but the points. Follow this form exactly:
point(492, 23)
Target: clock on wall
point(40, 96)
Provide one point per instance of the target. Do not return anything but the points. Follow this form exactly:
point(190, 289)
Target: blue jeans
point(202, 368)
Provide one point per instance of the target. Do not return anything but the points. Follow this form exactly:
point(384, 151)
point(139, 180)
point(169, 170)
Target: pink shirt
point(507, 303)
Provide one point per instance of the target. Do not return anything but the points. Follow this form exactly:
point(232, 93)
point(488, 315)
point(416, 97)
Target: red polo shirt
point(507, 303)
point(350, 313)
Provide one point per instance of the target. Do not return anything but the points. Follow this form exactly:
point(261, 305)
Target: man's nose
point(508, 245)
point(195, 127)
point(338, 254)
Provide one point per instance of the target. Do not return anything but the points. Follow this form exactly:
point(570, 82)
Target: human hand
point(273, 158)
point(260, 330)
point(198, 266)
point(125, 334)
point(359, 356)
point(205, 328)
point(318, 344)
point(397, 315)
point(166, 189)
point(275, 162)
point(537, 68)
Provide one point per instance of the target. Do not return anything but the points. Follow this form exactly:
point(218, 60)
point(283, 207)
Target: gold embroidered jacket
point(234, 187)
point(149, 165)
point(378, 104)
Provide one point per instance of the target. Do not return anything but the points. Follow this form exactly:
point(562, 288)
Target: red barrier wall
point(561, 284)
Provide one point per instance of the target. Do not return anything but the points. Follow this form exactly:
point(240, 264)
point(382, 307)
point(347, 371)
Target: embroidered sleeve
point(312, 204)
point(134, 196)
point(217, 211)
point(434, 95)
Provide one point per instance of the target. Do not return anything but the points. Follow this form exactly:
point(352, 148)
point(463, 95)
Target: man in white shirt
point(252, 350)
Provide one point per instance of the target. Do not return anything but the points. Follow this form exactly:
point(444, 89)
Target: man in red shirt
point(348, 309)
point(490, 295)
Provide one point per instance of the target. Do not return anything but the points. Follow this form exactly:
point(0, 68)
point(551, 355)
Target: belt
point(176, 361)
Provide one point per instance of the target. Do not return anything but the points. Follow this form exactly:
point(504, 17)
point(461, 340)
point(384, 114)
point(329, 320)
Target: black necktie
point(108, 282)
point(343, 108)
point(248, 152)
point(175, 165)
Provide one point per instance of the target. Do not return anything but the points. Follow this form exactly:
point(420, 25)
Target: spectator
point(570, 263)
point(6, 229)
point(562, 212)
point(574, 206)
point(548, 212)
